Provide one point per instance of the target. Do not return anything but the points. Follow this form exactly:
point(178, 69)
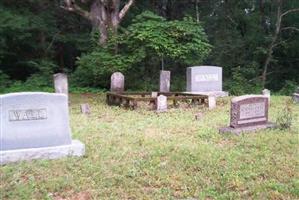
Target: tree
point(104, 15)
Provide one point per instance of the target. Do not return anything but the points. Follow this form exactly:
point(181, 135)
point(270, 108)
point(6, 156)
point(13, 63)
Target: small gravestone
point(161, 103)
point(212, 102)
point(205, 80)
point(267, 93)
point(85, 108)
point(164, 81)
point(296, 96)
point(61, 83)
point(35, 125)
point(154, 94)
point(248, 113)
point(117, 82)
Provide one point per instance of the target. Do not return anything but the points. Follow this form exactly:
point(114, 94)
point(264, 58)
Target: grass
point(144, 155)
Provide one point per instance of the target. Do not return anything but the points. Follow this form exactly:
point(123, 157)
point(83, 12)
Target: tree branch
point(290, 28)
point(125, 9)
point(289, 11)
point(71, 6)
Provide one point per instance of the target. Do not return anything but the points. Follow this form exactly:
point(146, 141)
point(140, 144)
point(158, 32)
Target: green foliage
point(288, 88)
point(285, 117)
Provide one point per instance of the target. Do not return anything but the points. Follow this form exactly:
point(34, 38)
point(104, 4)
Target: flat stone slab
point(76, 148)
point(247, 129)
point(212, 93)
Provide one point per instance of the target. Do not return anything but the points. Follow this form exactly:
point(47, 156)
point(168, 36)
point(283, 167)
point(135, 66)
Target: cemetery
point(128, 100)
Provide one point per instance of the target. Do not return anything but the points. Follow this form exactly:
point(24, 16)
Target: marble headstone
point(35, 125)
point(164, 81)
point(85, 108)
point(248, 113)
point(117, 82)
point(161, 103)
point(205, 80)
point(267, 93)
point(296, 95)
point(61, 83)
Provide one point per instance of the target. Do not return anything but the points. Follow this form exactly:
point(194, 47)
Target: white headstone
point(117, 82)
point(161, 103)
point(164, 81)
point(212, 102)
point(34, 125)
point(61, 83)
point(267, 93)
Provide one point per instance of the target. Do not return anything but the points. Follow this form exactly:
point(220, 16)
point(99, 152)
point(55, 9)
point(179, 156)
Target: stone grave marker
point(212, 102)
point(85, 108)
point(205, 80)
point(164, 81)
point(35, 125)
point(154, 94)
point(117, 82)
point(161, 103)
point(61, 83)
point(248, 113)
point(267, 93)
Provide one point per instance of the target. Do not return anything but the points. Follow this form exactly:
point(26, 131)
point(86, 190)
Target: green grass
point(144, 155)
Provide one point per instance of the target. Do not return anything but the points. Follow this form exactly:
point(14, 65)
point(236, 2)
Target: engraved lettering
point(253, 110)
point(26, 115)
point(206, 77)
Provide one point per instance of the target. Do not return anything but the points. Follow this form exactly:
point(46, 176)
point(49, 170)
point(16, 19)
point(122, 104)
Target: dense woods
point(255, 41)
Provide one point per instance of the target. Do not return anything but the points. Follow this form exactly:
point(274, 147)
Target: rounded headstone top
point(240, 98)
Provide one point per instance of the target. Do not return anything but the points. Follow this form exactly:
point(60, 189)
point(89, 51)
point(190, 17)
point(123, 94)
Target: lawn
point(143, 155)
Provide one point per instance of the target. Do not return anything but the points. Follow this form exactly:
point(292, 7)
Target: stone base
point(247, 129)
point(212, 93)
point(75, 149)
point(296, 97)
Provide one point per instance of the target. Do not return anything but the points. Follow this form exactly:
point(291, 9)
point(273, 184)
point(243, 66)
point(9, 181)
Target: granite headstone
point(164, 81)
point(248, 113)
point(117, 82)
point(61, 83)
point(205, 80)
point(35, 125)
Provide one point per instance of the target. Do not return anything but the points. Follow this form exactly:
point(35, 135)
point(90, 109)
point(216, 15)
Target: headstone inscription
point(205, 80)
point(164, 81)
point(35, 125)
point(61, 83)
point(117, 82)
point(248, 113)
point(161, 103)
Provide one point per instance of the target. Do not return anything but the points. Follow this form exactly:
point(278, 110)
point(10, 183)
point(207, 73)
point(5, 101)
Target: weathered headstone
point(212, 102)
point(161, 103)
point(267, 93)
point(205, 80)
point(296, 96)
point(154, 94)
point(61, 83)
point(35, 125)
point(164, 81)
point(85, 108)
point(248, 113)
point(117, 82)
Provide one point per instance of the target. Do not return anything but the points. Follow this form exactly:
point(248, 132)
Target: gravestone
point(161, 103)
point(212, 102)
point(154, 94)
point(248, 113)
point(85, 108)
point(267, 93)
point(296, 96)
point(61, 83)
point(205, 80)
point(164, 81)
point(117, 82)
point(35, 125)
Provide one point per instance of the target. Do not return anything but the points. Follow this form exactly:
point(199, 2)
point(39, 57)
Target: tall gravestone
point(61, 83)
point(205, 80)
point(117, 82)
point(35, 125)
point(248, 113)
point(267, 93)
point(164, 81)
